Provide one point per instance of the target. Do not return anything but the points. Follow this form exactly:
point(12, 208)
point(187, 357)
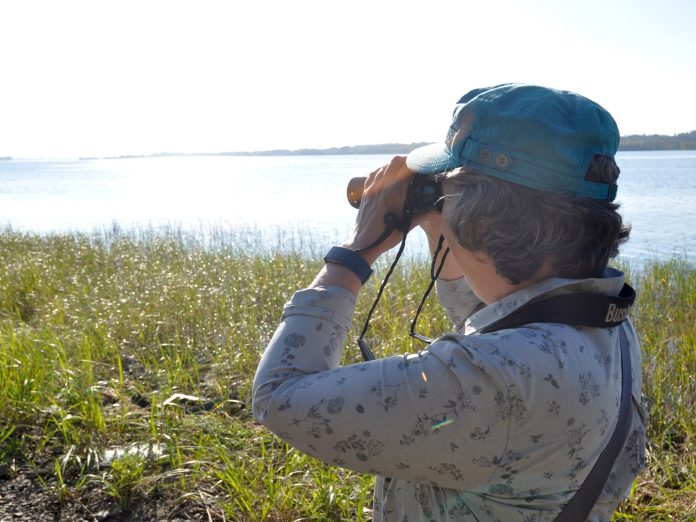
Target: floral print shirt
point(502, 426)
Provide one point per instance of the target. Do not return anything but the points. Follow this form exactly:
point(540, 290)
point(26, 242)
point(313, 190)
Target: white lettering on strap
point(615, 314)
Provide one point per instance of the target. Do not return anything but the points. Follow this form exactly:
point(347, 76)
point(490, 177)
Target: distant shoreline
point(634, 142)
point(384, 148)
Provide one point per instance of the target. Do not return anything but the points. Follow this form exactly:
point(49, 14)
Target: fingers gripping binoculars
point(424, 194)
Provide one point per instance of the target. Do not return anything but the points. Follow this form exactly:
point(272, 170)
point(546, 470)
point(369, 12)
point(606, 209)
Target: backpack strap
point(597, 311)
point(586, 497)
point(600, 311)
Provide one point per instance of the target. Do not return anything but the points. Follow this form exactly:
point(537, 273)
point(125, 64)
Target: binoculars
point(424, 194)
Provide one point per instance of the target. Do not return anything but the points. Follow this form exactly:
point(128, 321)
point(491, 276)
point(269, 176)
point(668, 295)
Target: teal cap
point(534, 136)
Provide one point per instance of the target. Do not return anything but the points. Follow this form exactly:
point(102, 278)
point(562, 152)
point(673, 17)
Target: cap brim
point(431, 159)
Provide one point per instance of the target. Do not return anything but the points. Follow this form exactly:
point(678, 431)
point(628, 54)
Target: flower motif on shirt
point(603, 359)
point(292, 341)
point(421, 428)
point(388, 394)
point(554, 407)
point(317, 422)
point(552, 381)
point(611, 488)
point(489, 510)
point(507, 361)
point(459, 510)
point(502, 488)
point(511, 406)
point(448, 469)
point(424, 500)
point(295, 340)
point(529, 333)
point(335, 342)
point(552, 347)
point(589, 388)
point(335, 405)
point(576, 435)
point(463, 401)
point(635, 447)
point(505, 464)
point(603, 422)
point(363, 445)
point(433, 422)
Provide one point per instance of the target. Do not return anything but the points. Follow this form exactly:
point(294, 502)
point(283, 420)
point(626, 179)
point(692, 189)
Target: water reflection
point(297, 201)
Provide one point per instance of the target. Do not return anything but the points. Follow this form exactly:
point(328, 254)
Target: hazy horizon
point(261, 152)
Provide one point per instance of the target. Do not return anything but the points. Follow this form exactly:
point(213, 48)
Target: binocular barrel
point(424, 194)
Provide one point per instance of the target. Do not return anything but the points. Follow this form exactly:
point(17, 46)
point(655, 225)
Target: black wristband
point(351, 260)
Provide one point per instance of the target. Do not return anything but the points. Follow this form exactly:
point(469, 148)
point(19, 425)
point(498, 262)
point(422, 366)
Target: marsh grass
point(152, 338)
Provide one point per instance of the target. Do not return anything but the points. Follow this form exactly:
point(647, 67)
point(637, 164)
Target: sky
point(98, 78)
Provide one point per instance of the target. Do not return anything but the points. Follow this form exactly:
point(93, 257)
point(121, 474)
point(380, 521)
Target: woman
point(486, 423)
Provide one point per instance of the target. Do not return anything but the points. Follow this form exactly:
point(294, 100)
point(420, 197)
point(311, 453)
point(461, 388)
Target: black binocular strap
point(392, 222)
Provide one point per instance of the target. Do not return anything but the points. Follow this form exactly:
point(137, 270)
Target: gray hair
point(520, 228)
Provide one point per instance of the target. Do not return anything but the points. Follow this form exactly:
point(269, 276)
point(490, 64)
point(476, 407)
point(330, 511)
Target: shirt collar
point(610, 283)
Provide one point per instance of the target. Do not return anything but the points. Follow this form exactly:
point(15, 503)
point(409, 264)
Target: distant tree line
point(384, 148)
point(683, 141)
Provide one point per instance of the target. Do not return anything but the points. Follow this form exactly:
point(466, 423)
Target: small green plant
point(62, 489)
point(125, 476)
point(5, 433)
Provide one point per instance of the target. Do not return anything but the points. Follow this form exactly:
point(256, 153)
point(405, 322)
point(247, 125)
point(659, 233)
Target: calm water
point(283, 195)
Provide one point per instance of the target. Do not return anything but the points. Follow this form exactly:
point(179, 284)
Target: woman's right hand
point(384, 193)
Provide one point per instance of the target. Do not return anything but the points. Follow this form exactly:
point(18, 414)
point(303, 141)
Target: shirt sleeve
point(458, 300)
point(433, 416)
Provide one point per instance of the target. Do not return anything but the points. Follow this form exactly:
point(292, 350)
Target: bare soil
point(23, 497)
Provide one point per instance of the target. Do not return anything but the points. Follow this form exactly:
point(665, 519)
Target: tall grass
point(150, 340)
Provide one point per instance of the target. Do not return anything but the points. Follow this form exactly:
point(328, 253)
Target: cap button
point(502, 161)
point(485, 156)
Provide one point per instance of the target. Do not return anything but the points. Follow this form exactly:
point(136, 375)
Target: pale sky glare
point(138, 77)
